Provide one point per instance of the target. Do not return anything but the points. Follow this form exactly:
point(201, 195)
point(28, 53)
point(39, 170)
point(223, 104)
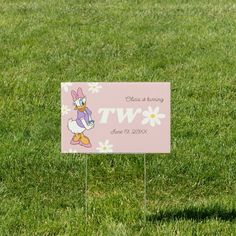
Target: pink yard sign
point(115, 117)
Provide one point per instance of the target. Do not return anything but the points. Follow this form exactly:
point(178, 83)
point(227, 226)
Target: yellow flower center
point(152, 116)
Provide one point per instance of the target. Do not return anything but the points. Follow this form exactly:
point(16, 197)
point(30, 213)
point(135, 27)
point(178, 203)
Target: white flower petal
point(146, 113)
point(66, 86)
point(145, 121)
point(161, 116)
point(156, 110)
point(158, 121)
point(152, 122)
point(64, 110)
point(100, 144)
point(99, 149)
point(94, 87)
point(105, 147)
point(72, 151)
point(150, 109)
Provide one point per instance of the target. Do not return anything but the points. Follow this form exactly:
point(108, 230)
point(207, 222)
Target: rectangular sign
point(115, 117)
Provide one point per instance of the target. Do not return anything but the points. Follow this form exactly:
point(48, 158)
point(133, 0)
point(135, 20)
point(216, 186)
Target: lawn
point(192, 44)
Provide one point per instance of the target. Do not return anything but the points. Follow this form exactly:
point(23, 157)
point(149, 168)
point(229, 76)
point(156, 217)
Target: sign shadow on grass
point(194, 214)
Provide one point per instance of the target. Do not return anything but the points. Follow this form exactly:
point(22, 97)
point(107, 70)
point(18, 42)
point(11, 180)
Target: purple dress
point(83, 114)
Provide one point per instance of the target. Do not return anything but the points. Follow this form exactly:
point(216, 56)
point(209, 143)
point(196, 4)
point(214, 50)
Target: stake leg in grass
point(145, 187)
point(86, 190)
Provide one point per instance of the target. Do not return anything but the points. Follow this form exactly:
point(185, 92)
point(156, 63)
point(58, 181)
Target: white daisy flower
point(65, 110)
point(152, 116)
point(105, 147)
point(66, 86)
point(94, 87)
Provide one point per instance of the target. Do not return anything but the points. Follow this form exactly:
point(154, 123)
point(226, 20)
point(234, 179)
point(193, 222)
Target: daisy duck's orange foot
point(84, 141)
point(89, 145)
point(76, 139)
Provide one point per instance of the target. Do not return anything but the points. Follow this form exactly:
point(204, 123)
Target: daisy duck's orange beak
point(80, 104)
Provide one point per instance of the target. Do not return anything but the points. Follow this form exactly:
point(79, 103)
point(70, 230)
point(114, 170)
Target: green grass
point(192, 191)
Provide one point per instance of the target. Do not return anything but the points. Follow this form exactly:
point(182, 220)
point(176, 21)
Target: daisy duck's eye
point(77, 103)
point(84, 100)
point(81, 102)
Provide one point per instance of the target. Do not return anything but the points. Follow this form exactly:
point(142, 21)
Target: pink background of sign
point(113, 95)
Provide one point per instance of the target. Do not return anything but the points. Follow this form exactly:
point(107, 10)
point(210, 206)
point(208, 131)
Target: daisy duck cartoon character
point(83, 121)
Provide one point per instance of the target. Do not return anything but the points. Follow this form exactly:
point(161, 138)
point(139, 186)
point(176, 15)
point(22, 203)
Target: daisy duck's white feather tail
point(74, 128)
